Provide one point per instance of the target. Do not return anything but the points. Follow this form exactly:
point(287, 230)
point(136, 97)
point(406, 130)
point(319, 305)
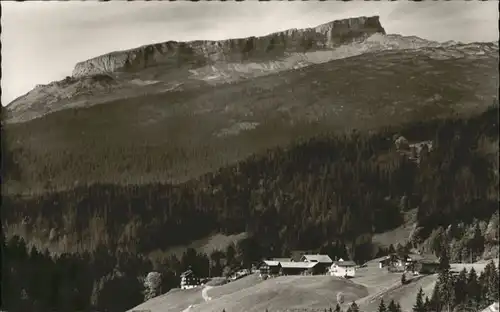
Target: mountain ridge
point(207, 51)
point(170, 66)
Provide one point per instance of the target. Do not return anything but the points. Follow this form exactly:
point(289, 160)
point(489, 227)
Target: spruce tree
point(337, 308)
point(403, 279)
point(398, 307)
point(392, 307)
point(477, 242)
point(353, 307)
point(445, 281)
point(460, 286)
point(435, 302)
point(419, 304)
point(427, 304)
point(381, 306)
point(491, 283)
point(473, 289)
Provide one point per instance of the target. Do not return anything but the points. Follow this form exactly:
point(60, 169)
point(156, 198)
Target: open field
point(175, 300)
point(232, 287)
point(301, 293)
point(404, 294)
point(286, 292)
point(172, 137)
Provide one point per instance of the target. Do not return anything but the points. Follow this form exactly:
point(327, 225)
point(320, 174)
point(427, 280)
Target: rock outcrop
point(200, 53)
point(175, 66)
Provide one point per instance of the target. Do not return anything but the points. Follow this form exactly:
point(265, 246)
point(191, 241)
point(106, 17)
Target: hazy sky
point(42, 41)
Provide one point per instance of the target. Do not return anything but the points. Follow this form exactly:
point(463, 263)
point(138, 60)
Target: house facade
point(305, 265)
point(343, 268)
point(189, 280)
point(399, 262)
point(269, 268)
point(423, 266)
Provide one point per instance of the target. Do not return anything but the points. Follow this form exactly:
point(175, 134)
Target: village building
point(324, 262)
point(189, 280)
point(393, 263)
point(343, 268)
point(299, 268)
point(282, 259)
point(269, 268)
point(426, 266)
point(420, 264)
point(416, 263)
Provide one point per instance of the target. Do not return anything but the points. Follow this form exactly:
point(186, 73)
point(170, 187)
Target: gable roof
point(271, 262)
point(382, 259)
point(187, 273)
point(298, 265)
point(282, 259)
point(345, 263)
point(318, 258)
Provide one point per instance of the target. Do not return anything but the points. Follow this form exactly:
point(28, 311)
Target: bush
point(340, 297)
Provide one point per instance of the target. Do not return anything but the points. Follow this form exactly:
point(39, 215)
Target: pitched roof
point(298, 265)
point(428, 258)
point(282, 259)
point(318, 258)
point(271, 262)
point(415, 257)
point(187, 273)
point(383, 259)
point(345, 263)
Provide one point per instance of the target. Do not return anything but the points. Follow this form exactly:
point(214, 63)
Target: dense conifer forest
point(331, 193)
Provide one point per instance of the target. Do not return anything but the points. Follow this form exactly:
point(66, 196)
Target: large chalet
point(305, 265)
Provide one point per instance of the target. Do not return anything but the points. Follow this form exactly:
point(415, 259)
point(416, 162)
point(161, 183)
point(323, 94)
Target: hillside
point(364, 175)
point(212, 156)
point(303, 293)
point(286, 292)
point(174, 136)
point(169, 65)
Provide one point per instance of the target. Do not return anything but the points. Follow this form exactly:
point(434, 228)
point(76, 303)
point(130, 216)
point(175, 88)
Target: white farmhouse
point(343, 268)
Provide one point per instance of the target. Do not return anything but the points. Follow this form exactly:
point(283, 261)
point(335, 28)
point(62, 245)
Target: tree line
point(331, 193)
point(334, 190)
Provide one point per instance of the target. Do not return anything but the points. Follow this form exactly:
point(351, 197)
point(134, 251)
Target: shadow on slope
point(175, 136)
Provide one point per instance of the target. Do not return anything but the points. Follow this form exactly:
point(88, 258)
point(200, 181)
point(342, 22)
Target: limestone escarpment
point(174, 66)
point(200, 53)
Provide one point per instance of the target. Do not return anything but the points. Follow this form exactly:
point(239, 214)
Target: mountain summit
point(202, 53)
point(197, 106)
point(171, 66)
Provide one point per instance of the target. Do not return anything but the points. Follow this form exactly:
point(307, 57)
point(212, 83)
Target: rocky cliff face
point(165, 67)
point(199, 53)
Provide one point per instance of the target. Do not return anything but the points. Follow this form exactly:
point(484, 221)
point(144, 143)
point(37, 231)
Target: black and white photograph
point(250, 156)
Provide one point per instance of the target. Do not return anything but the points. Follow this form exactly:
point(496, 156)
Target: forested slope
point(330, 189)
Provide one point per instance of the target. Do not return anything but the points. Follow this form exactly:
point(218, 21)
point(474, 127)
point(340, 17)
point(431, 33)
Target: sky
point(43, 40)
